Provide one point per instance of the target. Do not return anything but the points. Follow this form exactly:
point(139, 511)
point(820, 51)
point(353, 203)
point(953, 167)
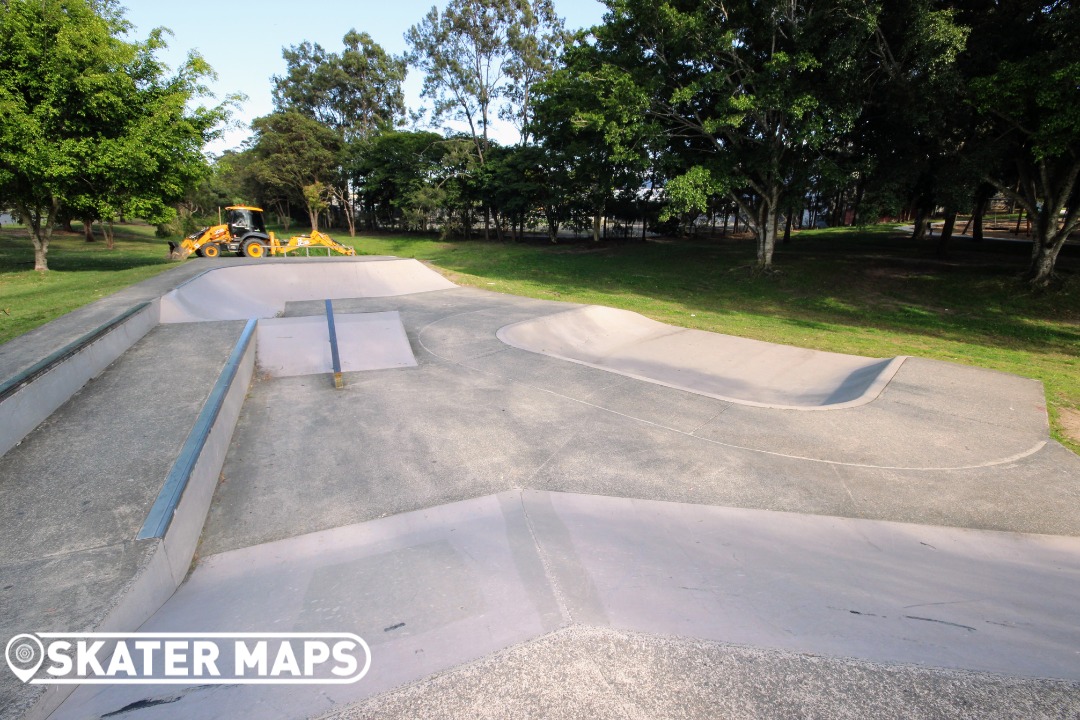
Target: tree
point(356, 93)
point(535, 43)
point(749, 91)
point(393, 167)
point(91, 120)
point(478, 52)
point(909, 147)
point(1024, 70)
point(296, 155)
point(590, 118)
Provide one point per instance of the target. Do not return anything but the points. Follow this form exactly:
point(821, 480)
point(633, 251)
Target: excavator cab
point(243, 220)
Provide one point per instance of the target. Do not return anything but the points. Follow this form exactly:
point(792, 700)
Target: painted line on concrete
point(991, 463)
point(164, 507)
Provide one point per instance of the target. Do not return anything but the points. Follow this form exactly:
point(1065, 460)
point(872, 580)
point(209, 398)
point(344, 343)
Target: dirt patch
point(1070, 423)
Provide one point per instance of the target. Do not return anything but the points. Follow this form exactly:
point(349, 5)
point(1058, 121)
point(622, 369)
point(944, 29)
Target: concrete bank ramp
point(749, 372)
point(261, 290)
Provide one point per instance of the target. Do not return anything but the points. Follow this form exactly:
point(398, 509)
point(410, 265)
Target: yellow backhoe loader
point(244, 233)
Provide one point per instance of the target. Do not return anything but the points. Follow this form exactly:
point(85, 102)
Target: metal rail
point(334, 355)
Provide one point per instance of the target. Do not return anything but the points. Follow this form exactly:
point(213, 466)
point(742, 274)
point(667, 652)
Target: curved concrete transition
point(748, 372)
point(240, 292)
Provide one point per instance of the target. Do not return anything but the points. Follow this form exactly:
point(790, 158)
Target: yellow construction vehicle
point(244, 233)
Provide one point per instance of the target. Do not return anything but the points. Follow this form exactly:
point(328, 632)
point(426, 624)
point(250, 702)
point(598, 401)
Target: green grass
point(866, 292)
point(79, 273)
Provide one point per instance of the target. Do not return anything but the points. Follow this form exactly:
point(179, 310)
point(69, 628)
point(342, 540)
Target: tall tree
point(906, 148)
point(480, 59)
point(90, 119)
point(591, 120)
point(1024, 69)
point(748, 90)
point(296, 156)
point(535, 43)
point(357, 92)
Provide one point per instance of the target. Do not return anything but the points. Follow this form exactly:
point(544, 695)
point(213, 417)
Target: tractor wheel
point(254, 249)
point(210, 251)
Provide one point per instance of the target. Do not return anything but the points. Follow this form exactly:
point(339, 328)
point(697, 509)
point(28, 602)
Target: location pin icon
point(24, 655)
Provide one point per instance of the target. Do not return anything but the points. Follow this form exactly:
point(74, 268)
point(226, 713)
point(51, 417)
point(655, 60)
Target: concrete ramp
point(749, 372)
point(301, 345)
point(261, 290)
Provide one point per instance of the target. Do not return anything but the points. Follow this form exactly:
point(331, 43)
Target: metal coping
point(13, 385)
point(164, 507)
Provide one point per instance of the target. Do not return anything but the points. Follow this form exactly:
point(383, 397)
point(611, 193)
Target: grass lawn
point(866, 292)
point(80, 272)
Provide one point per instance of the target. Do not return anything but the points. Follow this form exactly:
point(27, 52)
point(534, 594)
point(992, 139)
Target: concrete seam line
point(10, 386)
point(161, 513)
point(1001, 461)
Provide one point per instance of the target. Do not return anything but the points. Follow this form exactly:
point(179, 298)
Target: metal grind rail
point(334, 354)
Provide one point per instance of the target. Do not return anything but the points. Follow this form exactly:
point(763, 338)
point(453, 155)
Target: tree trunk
point(350, 218)
point(313, 217)
point(763, 219)
point(977, 221)
point(946, 233)
point(553, 225)
point(1047, 243)
point(766, 232)
point(41, 250)
point(787, 227)
point(88, 229)
point(920, 225)
point(40, 231)
point(596, 227)
point(107, 231)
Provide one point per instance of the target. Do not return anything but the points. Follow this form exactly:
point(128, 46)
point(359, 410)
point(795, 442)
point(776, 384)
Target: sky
point(243, 40)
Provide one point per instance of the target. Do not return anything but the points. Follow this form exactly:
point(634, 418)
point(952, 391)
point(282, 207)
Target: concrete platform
point(561, 539)
point(436, 588)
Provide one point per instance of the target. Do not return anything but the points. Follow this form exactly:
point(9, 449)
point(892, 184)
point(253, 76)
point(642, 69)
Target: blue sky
point(242, 41)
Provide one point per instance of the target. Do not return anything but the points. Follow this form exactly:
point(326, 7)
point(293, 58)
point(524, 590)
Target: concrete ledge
point(171, 532)
point(239, 364)
point(32, 395)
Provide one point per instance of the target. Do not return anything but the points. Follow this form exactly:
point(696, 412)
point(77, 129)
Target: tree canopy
point(92, 120)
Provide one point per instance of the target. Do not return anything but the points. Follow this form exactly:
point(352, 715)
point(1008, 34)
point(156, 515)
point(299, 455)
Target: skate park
point(560, 506)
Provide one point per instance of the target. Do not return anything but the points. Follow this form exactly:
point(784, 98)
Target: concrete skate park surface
point(574, 522)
